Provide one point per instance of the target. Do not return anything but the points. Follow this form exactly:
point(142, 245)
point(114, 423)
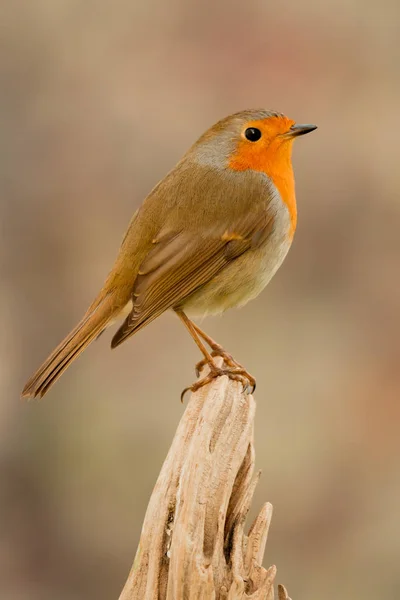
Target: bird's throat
point(275, 161)
point(284, 183)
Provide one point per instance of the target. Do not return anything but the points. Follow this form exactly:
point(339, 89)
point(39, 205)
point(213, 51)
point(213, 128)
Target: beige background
point(98, 100)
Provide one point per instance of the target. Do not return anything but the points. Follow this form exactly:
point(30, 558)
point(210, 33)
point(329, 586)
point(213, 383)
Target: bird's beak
point(297, 130)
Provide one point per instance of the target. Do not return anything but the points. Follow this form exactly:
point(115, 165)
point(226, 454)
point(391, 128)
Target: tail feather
point(89, 328)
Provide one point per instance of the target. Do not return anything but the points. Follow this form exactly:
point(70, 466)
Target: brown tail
point(92, 324)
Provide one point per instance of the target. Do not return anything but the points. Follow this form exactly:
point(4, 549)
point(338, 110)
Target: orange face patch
point(271, 154)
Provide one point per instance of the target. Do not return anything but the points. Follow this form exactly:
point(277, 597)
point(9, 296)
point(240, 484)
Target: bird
point(207, 238)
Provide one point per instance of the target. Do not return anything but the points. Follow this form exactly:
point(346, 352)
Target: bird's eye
point(252, 134)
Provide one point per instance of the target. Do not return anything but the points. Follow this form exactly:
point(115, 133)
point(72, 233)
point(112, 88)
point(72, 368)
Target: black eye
point(252, 134)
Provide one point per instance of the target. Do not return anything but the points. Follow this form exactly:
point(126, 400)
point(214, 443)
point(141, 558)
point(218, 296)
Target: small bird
point(207, 238)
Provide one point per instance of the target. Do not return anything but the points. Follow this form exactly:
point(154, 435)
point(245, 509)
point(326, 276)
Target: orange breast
point(274, 158)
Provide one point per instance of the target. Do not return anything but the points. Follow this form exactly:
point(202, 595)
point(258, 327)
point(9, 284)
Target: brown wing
point(181, 262)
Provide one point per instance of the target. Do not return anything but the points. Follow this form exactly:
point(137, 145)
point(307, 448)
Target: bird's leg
point(217, 350)
point(233, 370)
point(190, 326)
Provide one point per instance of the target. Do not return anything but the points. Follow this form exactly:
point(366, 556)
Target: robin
point(208, 237)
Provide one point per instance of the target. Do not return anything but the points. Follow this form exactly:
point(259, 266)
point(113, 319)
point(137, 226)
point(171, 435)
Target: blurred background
point(99, 100)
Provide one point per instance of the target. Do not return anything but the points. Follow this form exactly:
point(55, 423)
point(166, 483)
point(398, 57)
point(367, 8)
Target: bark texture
point(193, 543)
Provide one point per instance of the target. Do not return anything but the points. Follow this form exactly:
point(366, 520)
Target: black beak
point(297, 130)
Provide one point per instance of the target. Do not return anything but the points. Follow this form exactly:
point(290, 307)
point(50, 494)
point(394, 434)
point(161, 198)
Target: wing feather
point(181, 262)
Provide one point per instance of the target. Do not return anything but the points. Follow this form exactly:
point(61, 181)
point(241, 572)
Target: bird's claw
point(234, 372)
point(227, 358)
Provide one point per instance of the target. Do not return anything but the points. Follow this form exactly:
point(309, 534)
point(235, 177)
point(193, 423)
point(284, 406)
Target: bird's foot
point(226, 357)
point(235, 372)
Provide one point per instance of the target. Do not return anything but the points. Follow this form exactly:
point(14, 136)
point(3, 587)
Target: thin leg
point(233, 370)
point(207, 338)
point(192, 329)
point(217, 350)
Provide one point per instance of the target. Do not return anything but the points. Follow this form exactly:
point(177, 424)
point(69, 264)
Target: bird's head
point(250, 139)
point(256, 140)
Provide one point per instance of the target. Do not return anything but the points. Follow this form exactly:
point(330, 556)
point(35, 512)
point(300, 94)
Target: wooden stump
point(193, 544)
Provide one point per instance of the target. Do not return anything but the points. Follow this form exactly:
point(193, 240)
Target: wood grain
point(193, 543)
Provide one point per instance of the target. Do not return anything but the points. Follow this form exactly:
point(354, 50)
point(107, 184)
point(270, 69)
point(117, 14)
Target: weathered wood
point(193, 545)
